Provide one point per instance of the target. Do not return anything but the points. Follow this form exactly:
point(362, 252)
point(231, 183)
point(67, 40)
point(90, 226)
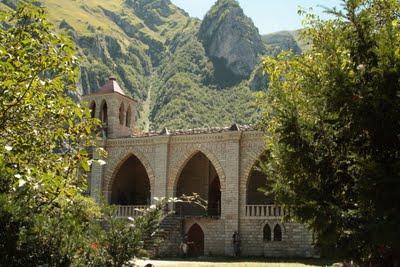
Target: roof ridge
point(111, 86)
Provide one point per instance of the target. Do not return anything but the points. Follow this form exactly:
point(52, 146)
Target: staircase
point(167, 240)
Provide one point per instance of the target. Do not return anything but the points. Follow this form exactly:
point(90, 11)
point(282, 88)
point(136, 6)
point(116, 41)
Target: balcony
point(264, 211)
point(130, 211)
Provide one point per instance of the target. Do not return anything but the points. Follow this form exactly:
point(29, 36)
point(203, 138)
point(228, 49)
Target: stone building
point(219, 164)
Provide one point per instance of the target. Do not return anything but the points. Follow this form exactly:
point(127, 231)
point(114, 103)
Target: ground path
point(237, 263)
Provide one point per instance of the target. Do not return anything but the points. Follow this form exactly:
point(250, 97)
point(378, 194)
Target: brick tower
point(117, 111)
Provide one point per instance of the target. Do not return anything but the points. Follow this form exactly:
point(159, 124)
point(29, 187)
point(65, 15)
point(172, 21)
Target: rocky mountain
point(185, 72)
point(231, 41)
point(281, 41)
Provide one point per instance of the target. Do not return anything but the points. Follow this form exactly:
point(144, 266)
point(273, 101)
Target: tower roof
point(111, 87)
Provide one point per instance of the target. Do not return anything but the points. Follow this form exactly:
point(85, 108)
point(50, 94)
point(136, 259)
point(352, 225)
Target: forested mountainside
point(186, 73)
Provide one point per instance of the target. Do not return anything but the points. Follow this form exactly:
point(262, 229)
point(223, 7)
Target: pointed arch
point(128, 117)
point(256, 180)
point(92, 108)
point(254, 158)
point(131, 185)
point(195, 236)
point(199, 176)
point(121, 114)
point(267, 233)
point(114, 165)
point(277, 233)
point(104, 112)
point(184, 159)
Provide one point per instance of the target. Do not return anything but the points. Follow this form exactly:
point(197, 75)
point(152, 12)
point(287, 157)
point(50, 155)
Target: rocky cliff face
point(174, 65)
point(281, 41)
point(231, 40)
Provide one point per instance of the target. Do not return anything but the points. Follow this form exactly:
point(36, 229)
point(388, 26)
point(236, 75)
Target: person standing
point(236, 243)
point(185, 246)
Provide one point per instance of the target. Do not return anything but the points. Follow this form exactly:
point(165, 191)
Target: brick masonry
point(233, 154)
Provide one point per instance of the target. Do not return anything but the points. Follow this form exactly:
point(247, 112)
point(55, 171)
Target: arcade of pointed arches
point(255, 178)
point(197, 169)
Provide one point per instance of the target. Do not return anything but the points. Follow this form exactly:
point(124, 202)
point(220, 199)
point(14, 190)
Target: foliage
point(331, 118)
point(45, 217)
point(43, 214)
point(123, 239)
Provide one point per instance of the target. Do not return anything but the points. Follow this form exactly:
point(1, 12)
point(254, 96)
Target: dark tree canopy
point(331, 118)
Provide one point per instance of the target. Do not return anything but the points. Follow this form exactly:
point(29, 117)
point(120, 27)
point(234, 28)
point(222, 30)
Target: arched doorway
point(196, 241)
point(199, 176)
point(257, 180)
point(131, 184)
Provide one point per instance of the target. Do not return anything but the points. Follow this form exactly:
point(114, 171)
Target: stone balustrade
point(130, 211)
point(264, 211)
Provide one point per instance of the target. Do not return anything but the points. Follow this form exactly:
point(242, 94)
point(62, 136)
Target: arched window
point(267, 233)
point(277, 233)
point(128, 117)
point(121, 114)
point(104, 118)
point(104, 113)
point(93, 109)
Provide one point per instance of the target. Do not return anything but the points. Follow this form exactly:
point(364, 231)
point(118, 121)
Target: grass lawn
point(222, 262)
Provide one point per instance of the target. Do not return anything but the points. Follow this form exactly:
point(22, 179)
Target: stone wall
point(214, 238)
point(296, 239)
point(114, 104)
point(233, 155)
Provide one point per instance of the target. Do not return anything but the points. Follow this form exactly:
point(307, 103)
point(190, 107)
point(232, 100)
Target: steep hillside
point(185, 72)
point(191, 91)
point(122, 37)
point(231, 41)
point(280, 41)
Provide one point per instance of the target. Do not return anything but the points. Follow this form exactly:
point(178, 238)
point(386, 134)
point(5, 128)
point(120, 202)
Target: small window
point(104, 115)
point(93, 109)
point(277, 233)
point(121, 114)
point(267, 233)
point(128, 117)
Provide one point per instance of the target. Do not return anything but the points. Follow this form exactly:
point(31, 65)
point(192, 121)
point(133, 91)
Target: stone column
point(160, 166)
point(96, 175)
point(230, 202)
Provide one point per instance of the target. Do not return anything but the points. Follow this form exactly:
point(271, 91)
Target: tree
point(43, 138)
point(45, 217)
point(331, 122)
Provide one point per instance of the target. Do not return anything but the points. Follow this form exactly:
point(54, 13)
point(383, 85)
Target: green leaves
point(331, 123)
point(43, 139)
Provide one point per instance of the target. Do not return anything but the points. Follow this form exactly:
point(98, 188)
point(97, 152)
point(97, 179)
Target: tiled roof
point(212, 130)
point(111, 87)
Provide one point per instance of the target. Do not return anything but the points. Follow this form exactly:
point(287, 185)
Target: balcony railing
point(264, 211)
point(251, 211)
point(130, 211)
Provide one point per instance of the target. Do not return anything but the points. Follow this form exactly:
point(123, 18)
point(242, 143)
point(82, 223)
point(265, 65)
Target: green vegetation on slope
point(152, 44)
